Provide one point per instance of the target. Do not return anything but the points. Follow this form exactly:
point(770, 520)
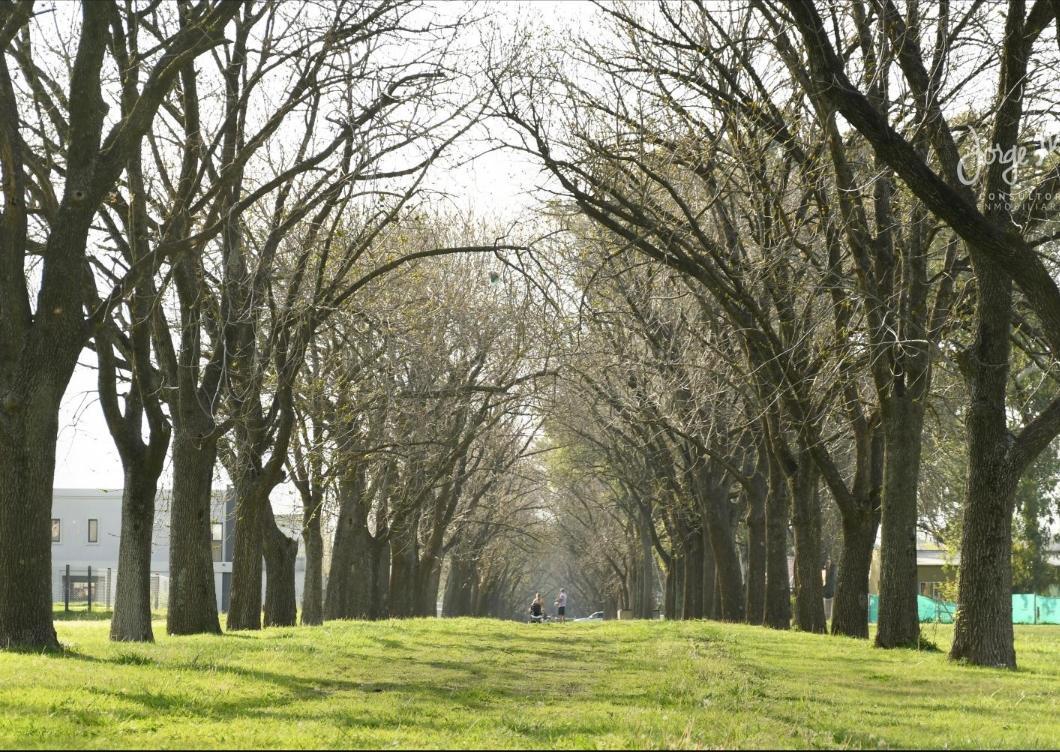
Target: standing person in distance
point(561, 605)
point(828, 588)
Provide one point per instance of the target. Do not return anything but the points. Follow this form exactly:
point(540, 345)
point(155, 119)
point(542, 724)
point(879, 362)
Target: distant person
point(828, 587)
point(561, 605)
point(537, 609)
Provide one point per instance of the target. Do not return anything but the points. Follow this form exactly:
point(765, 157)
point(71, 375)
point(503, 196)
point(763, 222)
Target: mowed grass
point(484, 683)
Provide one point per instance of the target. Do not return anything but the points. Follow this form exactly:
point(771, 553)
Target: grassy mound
point(481, 683)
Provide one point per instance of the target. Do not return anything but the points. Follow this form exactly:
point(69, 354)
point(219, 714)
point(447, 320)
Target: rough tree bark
point(806, 521)
point(313, 589)
point(281, 551)
point(244, 611)
point(192, 598)
point(756, 549)
point(350, 583)
point(692, 595)
point(983, 633)
point(131, 621)
point(899, 620)
point(28, 459)
point(778, 584)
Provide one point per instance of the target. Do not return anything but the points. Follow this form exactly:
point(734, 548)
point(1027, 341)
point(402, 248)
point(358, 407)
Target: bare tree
point(61, 157)
point(1002, 233)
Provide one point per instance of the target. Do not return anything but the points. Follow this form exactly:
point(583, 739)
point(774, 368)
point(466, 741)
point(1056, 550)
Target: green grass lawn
point(481, 683)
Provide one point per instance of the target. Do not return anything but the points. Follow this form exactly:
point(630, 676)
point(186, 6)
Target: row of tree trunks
point(1002, 252)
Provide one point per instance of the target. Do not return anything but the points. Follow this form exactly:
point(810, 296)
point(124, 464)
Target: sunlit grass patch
point(483, 683)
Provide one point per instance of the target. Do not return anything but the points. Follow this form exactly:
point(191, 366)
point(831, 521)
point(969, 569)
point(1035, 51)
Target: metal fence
point(87, 588)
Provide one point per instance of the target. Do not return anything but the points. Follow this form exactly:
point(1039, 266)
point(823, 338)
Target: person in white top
point(561, 605)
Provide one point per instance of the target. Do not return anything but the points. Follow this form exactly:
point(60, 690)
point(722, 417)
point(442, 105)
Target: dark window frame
point(57, 526)
point(90, 538)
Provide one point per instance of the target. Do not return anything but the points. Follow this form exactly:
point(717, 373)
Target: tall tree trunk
point(647, 568)
point(692, 597)
point(353, 575)
point(899, 621)
point(428, 581)
point(379, 607)
point(351, 591)
point(674, 586)
point(27, 460)
point(778, 584)
point(709, 577)
point(861, 521)
point(458, 587)
point(244, 611)
point(192, 597)
point(728, 579)
point(313, 589)
point(403, 570)
point(806, 520)
point(131, 621)
point(756, 552)
point(983, 634)
point(281, 551)
point(850, 608)
point(348, 540)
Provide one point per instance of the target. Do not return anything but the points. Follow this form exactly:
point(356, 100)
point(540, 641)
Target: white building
point(86, 530)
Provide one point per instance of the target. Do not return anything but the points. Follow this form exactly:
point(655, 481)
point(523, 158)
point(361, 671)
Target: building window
point(931, 590)
point(93, 531)
point(217, 541)
point(56, 530)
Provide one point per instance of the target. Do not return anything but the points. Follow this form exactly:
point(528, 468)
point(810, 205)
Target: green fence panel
point(927, 608)
point(1023, 608)
point(931, 610)
point(1048, 610)
point(1027, 608)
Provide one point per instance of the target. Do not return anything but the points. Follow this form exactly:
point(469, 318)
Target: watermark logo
point(985, 154)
